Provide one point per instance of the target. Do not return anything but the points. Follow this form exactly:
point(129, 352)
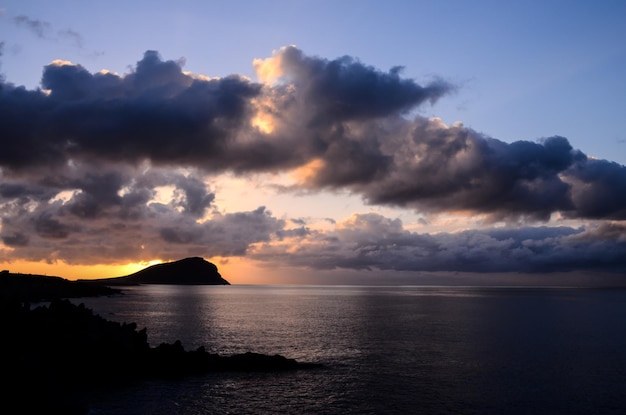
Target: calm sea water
point(386, 350)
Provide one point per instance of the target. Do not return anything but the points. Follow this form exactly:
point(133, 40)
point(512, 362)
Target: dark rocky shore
point(53, 355)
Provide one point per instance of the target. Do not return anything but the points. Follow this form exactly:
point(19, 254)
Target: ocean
point(385, 350)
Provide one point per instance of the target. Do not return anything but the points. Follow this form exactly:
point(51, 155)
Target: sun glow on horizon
point(74, 271)
point(138, 266)
point(235, 270)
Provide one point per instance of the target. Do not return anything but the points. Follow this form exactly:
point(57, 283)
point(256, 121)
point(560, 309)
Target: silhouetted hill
point(35, 288)
point(188, 271)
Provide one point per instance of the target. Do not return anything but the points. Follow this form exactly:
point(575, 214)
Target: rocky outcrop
point(54, 355)
point(167, 360)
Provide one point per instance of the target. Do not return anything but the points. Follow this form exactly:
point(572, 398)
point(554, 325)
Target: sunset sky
point(315, 141)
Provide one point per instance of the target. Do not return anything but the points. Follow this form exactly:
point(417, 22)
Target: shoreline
point(62, 350)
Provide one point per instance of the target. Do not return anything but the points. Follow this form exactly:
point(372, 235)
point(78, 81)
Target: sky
point(315, 141)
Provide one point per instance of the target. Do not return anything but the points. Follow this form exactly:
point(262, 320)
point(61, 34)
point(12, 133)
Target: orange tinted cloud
point(307, 173)
point(269, 70)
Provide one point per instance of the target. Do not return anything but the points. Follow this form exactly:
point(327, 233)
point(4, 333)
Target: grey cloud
point(49, 227)
point(455, 168)
point(15, 239)
point(352, 159)
point(155, 113)
point(92, 136)
point(44, 30)
point(73, 36)
point(24, 143)
point(2, 43)
point(109, 216)
point(39, 27)
point(422, 164)
point(98, 192)
point(181, 236)
point(225, 235)
point(599, 189)
point(17, 190)
point(159, 113)
point(375, 242)
point(293, 233)
point(196, 197)
point(344, 89)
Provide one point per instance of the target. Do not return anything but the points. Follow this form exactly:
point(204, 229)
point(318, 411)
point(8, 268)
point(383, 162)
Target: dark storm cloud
point(85, 158)
point(160, 113)
point(367, 147)
point(49, 227)
point(371, 241)
point(344, 89)
point(155, 113)
point(455, 168)
point(599, 189)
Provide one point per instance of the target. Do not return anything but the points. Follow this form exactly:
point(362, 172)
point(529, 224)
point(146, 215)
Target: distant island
point(188, 271)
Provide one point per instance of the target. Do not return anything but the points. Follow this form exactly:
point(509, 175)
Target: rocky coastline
point(55, 353)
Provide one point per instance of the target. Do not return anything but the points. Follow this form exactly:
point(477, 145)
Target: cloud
point(155, 113)
point(111, 214)
point(371, 241)
point(40, 28)
point(45, 30)
point(2, 78)
point(345, 89)
point(346, 122)
point(72, 36)
point(598, 189)
point(87, 158)
point(436, 167)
